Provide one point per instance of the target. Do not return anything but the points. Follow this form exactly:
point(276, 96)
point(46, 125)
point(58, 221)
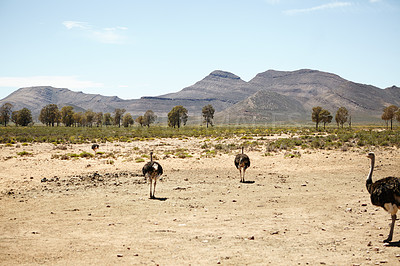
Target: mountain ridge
point(225, 90)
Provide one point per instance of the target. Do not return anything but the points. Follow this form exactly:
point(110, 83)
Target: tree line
point(320, 115)
point(389, 114)
point(51, 115)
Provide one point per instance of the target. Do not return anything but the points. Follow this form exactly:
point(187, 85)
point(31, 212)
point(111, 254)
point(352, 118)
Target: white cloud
point(318, 8)
point(76, 24)
point(70, 82)
point(374, 1)
point(111, 35)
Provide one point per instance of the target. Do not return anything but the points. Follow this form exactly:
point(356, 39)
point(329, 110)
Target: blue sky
point(134, 48)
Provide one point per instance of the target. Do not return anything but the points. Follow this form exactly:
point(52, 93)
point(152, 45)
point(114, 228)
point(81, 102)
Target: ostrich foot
point(388, 239)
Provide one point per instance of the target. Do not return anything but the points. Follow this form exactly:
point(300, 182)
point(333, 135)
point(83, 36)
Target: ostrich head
point(371, 155)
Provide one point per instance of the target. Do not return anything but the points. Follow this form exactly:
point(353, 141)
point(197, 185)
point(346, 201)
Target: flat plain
point(305, 208)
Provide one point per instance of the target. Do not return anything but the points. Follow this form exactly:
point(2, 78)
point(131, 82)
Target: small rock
point(120, 255)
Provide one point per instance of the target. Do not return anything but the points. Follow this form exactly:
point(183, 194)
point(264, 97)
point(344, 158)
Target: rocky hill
point(264, 106)
point(313, 88)
point(271, 95)
point(34, 98)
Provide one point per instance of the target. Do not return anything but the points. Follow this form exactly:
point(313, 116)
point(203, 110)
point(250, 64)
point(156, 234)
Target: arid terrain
point(307, 210)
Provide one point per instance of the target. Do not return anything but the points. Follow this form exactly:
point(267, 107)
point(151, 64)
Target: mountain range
point(269, 96)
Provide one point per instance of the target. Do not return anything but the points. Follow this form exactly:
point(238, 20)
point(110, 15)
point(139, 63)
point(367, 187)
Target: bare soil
point(313, 209)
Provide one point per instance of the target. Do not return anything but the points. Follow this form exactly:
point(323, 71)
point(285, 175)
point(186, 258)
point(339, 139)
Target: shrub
point(24, 153)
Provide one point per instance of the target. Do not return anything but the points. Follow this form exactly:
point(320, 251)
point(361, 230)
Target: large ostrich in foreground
point(152, 170)
point(242, 161)
point(384, 193)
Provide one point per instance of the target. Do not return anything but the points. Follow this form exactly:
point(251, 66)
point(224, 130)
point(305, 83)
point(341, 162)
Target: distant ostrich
point(95, 147)
point(242, 161)
point(152, 170)
point(384, 193)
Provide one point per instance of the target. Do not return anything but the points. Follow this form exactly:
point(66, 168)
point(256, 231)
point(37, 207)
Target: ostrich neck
point(369, 178)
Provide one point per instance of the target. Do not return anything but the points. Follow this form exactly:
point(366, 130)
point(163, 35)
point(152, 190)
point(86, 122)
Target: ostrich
point(152, 170)
point(95, 147)
point(242, 161)
point(384, 193)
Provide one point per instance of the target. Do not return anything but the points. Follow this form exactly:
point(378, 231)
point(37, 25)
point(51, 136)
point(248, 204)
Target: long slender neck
point(369, 178)
point(242, 150)
point(151, 156)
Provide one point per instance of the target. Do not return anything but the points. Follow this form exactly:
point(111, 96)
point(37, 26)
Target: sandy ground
point(309, 210)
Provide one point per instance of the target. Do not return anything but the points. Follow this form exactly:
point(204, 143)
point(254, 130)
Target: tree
point(389, 113)
point(89, 115)
point(316, 115)
point(24, 117)
point(326, 117)
point(127, 120)
point(177, 116)
point(140, 120)
point(385, 117)
point(107, 119)
point(148, 118)
point(78, 118)
point(5, 113)
point(208, 114)
point(98, 119)
point(341, 116)
point(49, 115)
point(67, 115)
point(118, 113)
point(14, 117)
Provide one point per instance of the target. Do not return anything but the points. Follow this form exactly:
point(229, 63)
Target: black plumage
point(384, 193)
point(152, 170)
point(95, 147)
point(242, 161)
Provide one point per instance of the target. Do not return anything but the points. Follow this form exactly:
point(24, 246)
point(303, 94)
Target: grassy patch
point(24, 153)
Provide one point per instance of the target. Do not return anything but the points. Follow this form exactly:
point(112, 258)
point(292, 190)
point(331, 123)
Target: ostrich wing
point(386, 190)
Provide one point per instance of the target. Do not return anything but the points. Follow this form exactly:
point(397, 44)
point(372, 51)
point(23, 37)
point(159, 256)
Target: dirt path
point(308, 210)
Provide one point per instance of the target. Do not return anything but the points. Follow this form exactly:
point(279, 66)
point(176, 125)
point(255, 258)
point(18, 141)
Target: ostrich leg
point(391, 229)
point(244, 171)
point(151, 182)
point(154, 187)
